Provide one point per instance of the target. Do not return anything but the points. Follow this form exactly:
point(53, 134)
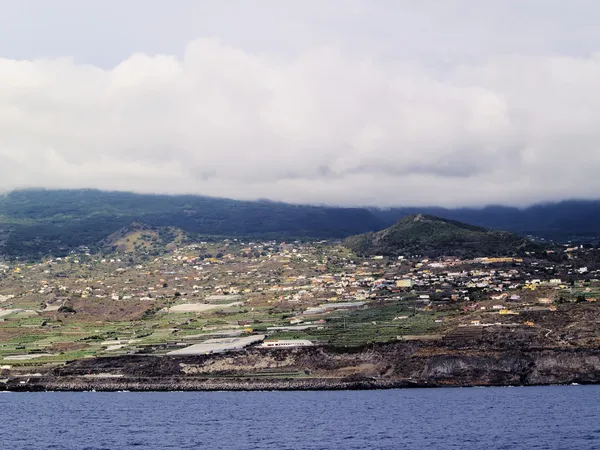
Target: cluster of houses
point(312, 278)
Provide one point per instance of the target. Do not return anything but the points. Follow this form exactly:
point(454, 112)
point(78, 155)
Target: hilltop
point(569, 220)
point(138, 236)
point(427, 235)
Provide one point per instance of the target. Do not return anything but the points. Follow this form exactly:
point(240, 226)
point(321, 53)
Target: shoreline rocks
point(380, 366)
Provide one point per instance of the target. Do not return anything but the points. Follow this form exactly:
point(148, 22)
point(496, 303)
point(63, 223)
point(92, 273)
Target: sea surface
point(558, 417)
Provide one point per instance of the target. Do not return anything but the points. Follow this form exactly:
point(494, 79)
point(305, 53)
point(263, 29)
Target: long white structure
point(287, 343)
point(218, 345)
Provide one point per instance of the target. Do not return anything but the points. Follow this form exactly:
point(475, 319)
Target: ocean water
point(557, 417)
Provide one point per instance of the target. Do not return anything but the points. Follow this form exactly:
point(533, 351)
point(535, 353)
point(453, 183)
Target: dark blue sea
point(561, 417)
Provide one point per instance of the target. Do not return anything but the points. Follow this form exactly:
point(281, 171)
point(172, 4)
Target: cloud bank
point(326, 124)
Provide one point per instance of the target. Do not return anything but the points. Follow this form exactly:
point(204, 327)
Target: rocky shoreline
point(133, 385)
point(139, 385)
point(485, 362)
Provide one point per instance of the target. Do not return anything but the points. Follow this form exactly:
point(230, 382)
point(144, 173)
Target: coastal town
point(220, 296)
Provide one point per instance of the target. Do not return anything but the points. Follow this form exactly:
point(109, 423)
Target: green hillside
point(38, 222)
point(138, 236)
point(432, 236)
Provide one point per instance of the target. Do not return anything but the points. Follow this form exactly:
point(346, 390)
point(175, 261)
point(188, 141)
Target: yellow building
point(406, 283)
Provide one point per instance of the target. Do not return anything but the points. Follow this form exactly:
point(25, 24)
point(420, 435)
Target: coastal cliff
point(392, 365)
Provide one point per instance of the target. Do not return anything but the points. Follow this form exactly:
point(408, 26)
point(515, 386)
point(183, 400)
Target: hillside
point(36, 222)
point(570, 220)
point(433, 236)
point(39, 222)
point(137, 237)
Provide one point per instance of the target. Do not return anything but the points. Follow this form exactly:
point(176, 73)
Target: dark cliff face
point(505, 369)
point(400, 364)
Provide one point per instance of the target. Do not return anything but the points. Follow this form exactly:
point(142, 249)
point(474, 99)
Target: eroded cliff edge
point(492, 359)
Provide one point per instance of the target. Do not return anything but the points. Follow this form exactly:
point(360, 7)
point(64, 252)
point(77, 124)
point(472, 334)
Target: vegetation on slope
point(433, 236)
point(137, 237)
point(40, 222)
point(570, 220)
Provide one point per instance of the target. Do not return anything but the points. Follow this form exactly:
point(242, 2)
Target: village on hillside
point(222, 296)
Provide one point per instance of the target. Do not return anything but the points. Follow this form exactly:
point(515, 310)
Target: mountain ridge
point(37, 222)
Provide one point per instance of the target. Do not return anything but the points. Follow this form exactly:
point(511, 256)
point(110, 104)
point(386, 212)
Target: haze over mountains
point(299, 102)
point(39, 222)
point(304, 101)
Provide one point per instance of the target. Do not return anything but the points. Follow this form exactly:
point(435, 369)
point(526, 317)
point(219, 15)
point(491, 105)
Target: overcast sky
point(344, 102)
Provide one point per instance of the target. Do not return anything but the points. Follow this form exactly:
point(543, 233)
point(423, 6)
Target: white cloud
point(328, 123)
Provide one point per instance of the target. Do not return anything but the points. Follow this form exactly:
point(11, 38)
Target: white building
point(287, 343)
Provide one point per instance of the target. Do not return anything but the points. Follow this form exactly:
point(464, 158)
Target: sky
point(338, 102)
